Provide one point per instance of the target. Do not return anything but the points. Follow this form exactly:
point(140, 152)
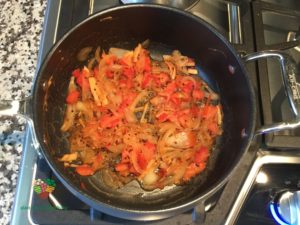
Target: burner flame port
point(286, 208)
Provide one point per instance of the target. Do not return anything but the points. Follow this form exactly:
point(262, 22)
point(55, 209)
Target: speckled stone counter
point(20, 30)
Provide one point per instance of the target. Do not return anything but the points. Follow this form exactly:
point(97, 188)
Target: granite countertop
point(20, 30)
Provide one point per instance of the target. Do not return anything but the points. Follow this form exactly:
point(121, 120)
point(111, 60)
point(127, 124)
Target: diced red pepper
point(85, 170)
point(73, 97)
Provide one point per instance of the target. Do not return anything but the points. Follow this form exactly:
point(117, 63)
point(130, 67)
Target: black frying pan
point(167, 29)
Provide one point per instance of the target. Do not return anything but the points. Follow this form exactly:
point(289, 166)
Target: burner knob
point(286, 208)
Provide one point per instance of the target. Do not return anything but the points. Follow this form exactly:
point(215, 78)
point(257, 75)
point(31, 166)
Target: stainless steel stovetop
point(267, 177)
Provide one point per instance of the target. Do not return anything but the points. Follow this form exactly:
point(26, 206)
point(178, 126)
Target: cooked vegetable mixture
point(133, 118)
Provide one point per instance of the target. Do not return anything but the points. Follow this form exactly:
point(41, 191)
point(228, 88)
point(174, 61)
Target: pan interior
point(121, 28)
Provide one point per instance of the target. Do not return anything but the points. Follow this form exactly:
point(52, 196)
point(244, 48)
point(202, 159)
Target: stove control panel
point(286, 208)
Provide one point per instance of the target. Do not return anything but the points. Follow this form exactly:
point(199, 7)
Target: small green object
point(50, 182)
point(37, 189)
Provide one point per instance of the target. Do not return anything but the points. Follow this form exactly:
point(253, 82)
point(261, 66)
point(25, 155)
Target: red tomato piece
point(125, 156)
point(76, 73)
point(187, 87)
point(192, 170)
point(121, 167)
point(133, 170)
point(163, 117)
point(107, 121)
point(109, 73)
point(147, 79)
point(127, 99)
point(150, 146)
point(109, 59)
point(142, 160)
point(73, 97)
point(184, 120)
point(128, 72)
point(213, 128)
point(201, 155)
point(176, 98)
point(198, 94)
point(194, 111)
point(169, 90)
point(136, 160)
point(85, 170)
point(209, 111)
point(149, 151)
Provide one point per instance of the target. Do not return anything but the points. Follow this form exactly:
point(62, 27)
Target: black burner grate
point(272, 24)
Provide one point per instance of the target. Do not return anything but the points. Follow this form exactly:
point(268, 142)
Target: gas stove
point(264, 188)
